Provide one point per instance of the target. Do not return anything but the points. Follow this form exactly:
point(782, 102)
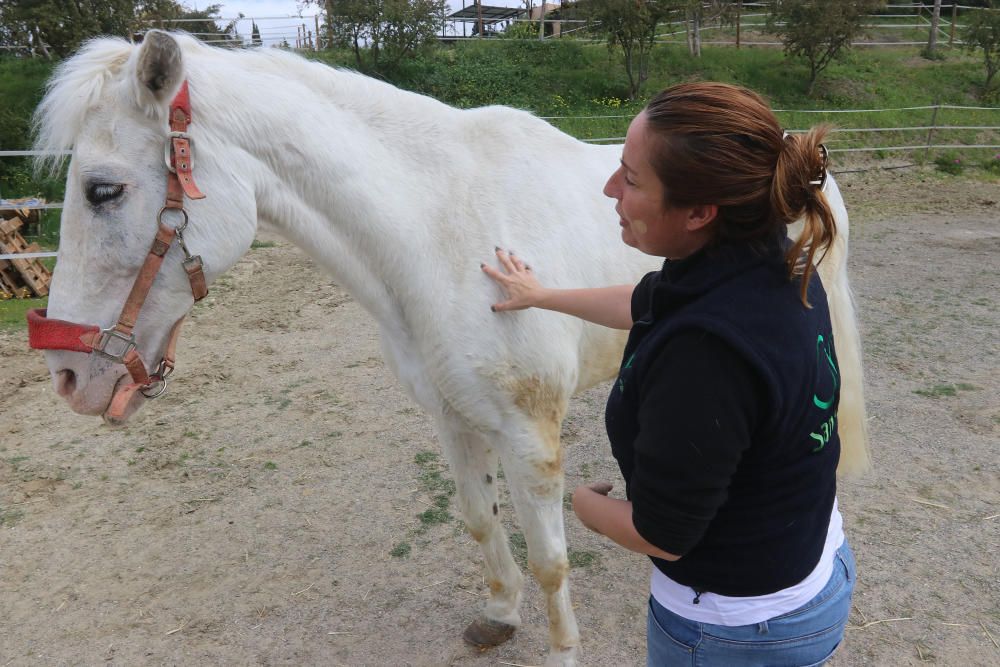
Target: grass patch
point(13, 312)
point(401, 550)
point(519, 549)
point(583, 558)
point(434, 516)
point(270, 465)
point(262, 244)
point(941, 390)
point(435, 484)
point(9, 517)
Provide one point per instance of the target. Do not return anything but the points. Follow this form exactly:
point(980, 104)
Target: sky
point(273, 30)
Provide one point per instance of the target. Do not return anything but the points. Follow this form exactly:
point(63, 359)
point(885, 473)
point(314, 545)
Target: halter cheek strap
point(118, 343)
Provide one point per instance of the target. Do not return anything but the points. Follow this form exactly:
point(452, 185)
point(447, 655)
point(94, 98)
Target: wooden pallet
point(21, 277)
point(31, 217)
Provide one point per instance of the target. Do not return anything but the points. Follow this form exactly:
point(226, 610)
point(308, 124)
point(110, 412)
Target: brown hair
point(721, 144)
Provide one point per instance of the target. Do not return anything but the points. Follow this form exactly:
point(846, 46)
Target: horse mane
point(101, 69)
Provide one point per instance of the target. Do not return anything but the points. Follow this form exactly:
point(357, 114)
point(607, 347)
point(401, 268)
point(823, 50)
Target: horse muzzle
point(88, 385)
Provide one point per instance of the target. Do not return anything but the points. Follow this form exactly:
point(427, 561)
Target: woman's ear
point(700, 216)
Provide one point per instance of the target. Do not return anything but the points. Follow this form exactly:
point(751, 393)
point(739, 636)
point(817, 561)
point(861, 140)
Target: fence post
point(954, 15)
point(739, 20)
point(930, 131)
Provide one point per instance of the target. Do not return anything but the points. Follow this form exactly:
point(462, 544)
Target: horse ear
point(160, 68)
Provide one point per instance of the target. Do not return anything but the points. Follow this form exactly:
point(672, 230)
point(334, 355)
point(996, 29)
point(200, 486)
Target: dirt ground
point(273, 507)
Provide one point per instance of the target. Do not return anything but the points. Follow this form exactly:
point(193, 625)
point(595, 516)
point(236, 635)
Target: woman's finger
point(505, 260)
point(517, 262)
point(498, 276)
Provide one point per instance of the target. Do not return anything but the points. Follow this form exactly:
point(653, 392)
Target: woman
point(723, 416)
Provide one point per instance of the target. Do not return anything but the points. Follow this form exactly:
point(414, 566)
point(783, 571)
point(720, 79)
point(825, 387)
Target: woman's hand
point(517, 281)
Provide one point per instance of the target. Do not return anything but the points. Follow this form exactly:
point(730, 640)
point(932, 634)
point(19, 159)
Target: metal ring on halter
point(158, 380)
point(179, 228)
point(158, 385)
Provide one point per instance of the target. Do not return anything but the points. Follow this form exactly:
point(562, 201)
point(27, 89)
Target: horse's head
point(111, 104)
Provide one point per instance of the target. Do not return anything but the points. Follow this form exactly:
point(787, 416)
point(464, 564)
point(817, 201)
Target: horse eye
point(98, 193)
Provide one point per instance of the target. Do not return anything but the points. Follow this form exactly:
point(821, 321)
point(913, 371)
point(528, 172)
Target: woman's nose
point(611, 188)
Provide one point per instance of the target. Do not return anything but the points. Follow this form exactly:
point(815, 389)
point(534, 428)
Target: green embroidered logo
point(628, 364)
point(823, 350)
point(826, 429)
point(824, 359)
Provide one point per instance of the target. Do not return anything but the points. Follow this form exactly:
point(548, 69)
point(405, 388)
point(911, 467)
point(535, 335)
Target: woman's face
point(647, 224)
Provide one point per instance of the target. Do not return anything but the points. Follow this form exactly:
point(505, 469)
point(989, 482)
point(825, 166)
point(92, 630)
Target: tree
point(255, 34)
point(383, 32)
point(62, 25)
point(929, 52)
point(982, 31)
point(698, 13)
point(819, 31)
point(631, 26)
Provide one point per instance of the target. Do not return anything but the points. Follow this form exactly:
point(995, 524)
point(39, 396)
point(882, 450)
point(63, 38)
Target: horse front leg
point(473, 462)
point(533, 468)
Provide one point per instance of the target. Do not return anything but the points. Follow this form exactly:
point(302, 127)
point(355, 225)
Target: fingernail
point(481, 265)
point(493, 308)
point(497, 248)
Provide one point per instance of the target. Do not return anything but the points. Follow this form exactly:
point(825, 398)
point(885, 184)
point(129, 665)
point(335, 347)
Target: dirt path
point(277, 507)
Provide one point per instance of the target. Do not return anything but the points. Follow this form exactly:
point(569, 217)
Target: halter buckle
point(168, 150)
point(125, 343)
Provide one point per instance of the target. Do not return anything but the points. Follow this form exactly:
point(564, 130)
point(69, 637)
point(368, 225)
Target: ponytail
point(722, 144)
point(797, 192)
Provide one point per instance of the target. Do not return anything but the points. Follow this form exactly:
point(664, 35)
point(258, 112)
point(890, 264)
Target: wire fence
point(966, 131)
point(308, 32)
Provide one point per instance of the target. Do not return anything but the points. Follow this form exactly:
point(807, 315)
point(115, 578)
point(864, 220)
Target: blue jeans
point(805, 637)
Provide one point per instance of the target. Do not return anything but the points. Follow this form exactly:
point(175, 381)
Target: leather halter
point(118, 342)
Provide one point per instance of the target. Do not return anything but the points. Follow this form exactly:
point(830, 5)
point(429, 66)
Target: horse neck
point(340, 173)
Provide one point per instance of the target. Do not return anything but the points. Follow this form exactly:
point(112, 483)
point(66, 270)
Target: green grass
point(943, 390)
point(439, 487)
point(14, 311)
point(578, 559)
point(401, 550)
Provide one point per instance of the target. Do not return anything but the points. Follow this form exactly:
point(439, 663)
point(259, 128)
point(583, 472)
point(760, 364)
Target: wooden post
point(954, 15)
point(316, 16)
point(479, 11)
point(739, 19)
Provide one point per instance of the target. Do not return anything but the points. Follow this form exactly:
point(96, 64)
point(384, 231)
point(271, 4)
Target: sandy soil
point(266, 510)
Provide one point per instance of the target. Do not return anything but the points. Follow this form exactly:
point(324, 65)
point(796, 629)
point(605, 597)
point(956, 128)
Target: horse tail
point(852, 415)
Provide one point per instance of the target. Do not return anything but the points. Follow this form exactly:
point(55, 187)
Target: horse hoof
point(484, 633)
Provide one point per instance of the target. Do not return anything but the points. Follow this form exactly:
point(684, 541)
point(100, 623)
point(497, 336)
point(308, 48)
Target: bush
point(992, 164)
point(949, 164)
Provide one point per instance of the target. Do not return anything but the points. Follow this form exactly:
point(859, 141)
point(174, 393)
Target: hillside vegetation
point(559, 78)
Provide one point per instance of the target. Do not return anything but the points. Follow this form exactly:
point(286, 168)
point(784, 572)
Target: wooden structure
point(25, 208)
point(20, 278)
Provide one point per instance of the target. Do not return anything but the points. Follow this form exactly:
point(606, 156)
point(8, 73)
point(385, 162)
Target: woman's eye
point(99, 193)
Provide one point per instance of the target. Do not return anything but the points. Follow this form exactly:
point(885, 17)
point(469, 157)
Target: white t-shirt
point(732, 611)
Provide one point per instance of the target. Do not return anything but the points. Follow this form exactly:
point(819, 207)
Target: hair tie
point(824, 155)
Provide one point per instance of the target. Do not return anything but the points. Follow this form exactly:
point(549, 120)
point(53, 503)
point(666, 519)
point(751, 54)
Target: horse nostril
point(65, 383)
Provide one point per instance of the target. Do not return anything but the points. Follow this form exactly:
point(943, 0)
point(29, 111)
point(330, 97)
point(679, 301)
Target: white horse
point(399, 197)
